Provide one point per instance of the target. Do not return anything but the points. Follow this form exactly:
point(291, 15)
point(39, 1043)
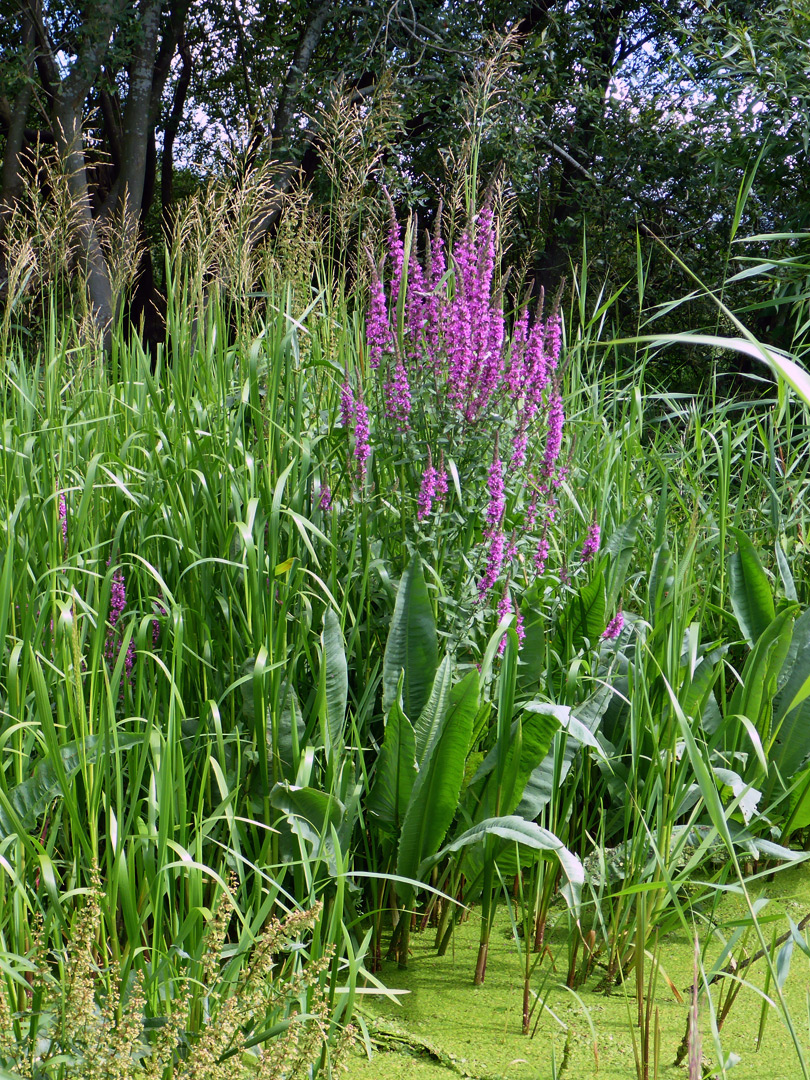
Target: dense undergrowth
point(315, 630)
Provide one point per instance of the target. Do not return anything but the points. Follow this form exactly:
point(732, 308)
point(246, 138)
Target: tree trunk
point(11, 184)
point(97, 273)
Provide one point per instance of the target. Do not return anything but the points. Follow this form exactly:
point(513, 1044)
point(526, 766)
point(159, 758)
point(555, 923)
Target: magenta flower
point(541, 554)
point(591, 545)
point(427, 493)
point(507, 607)
point(362, 436)
point(495, 558)
point(63, 517)
point(346, 403)
point(378, 331)
point(556, 419)
point(615, 626)
point(497, 493)
point(118, 601)
point(441, 482)
point(325, 501)
point(398, 398)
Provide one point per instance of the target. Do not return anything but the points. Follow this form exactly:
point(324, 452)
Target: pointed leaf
point(334, 678)
point(30, 799)
point(412, 645)
point(751, 596)
point(527, 833)
point(427, 727)
point(434, 799)
point(539, 789)
point(620, 549)
point(395, 773)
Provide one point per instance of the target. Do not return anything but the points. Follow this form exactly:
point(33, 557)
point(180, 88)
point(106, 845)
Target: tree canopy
point(599, 115)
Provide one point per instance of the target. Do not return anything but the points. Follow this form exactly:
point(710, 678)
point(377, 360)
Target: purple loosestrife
point(427, 493)
point(553, 340)
point(362, 436)
point(398, 398)
point(118, 601)
point(497, 493)
point(541, 554)
point(63, 518)
point(507, 607)
point(556, 419)
point(591, 545)
point(396, 249)
point(516, 375)
point(495, 556)
point(325, 501)
point(434, 302)
point(378, 330)
point(415, 303)
point(346, 403)
point(615, 626)
point(441, 481)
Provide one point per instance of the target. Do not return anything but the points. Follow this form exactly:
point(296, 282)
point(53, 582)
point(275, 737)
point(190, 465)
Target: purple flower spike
point(495, 557)
point(362, 435)
point(398, 395)
point(427, 493)
point(497, 495)
point(541, 555)
point(325, 501)
point(615, 626)
point(591, 545)
point(63, 517)
point(556, 419)
point(378, 332)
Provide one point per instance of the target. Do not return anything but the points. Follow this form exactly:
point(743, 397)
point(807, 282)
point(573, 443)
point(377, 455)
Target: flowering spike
point(615, 626)
point(591, 545)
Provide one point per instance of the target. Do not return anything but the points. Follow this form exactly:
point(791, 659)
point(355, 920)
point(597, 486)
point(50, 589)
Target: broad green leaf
point(434, 799)
point(620, 549)
point(313, 816)
point(395, 772)
point(537, 731)
point(412, 645)
point(539, 791)
point(754, 697)
point(584, 618)
point(428, 725)
point(528, 834)
point(695, 695)
point(785, 573)
point(747, 795)
point(661, 578)
point(791, 745)
point(30, 799)
point(291, 728)
point(750, 590)
point(334, 680)
point(532, 668)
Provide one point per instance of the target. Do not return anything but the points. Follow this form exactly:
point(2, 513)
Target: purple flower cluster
point(378, 330)
point(63, 518)
point(325, 501)
point(433, 489)
point(591, 545)
point(398, 397)
point(497, 494)
point(451, 360)
point(112, 644)
point(615, 626)
point(507, 607)
point(353, 411)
